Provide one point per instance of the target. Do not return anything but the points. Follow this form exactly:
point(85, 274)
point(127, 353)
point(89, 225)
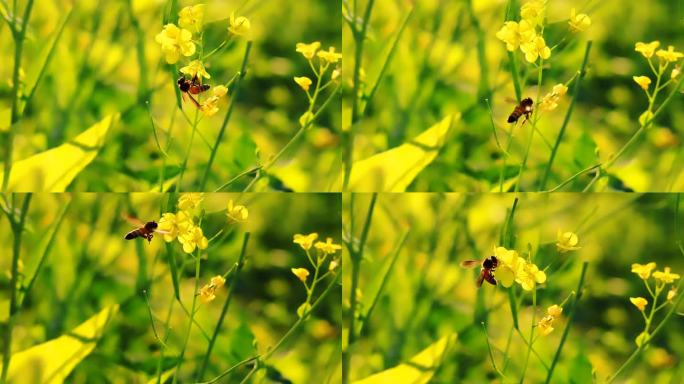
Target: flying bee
point(144, 230)
point(487, 268)
point(524, 108)
point(191, 87)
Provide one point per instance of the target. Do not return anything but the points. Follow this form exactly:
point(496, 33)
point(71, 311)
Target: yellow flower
point(550, 101)
point(207, 293)
point(665, 276)
point(535, 49)
point(647, 49)
point(305, 241)
point(306, 118)
point(671, 293)
point(240, 25)
point(510, 263)
point(514, 34)
point(554, 310)
point(336, 73)
point(330, 56)
point(195, 68)
point(533, 12)
point(675, 72)
point(644, 271)
point(639, 302)
point(308, 50)
point(545, 325)
point(670, 55)
point(567, 241)
point(301, 273)
point(643, 81)
point(191, 16)
point(173, 225)
point(645, 117)
point(303, 82)
point(189, 201)
point(237, 213)
point(218, 281)
point(333, 265)
point(209, 106)
point(578, 22)
point(193, 238)
point(175, 42)
point(328, 247)
point(529, 276)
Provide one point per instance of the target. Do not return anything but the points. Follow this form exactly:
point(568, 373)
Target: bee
point(191, 87)
point(144, 230)
point(524, 108)
point(487, 268)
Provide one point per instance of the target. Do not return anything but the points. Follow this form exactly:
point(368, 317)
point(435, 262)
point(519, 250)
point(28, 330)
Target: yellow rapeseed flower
point(535, 49)
point(639, 302)
point(670, 55)
point(173, 225)
point(550, 101)
point(193, 238)
point(643, 270)
point(237, 213)
point(303, 82)
point(175, 42)
point(533, 11)
point(529, 276)
point(567, 241)
point(239, 26)
point(191, 17)
point(209, 106)
point(554, 310)
point(509, 265)
point(195, 68)
point(333, 265)
point(665, 276)
point(647, 49)
point(643, 81)
point(578, 22)
point(207, 293)
point(308, 50)
point(305, 241)
point(514, 34)
point(545, 325)
point(330, 56)
point(671, 293)
point(301, 273)
point(189, 201)
point(218, 281)
point(328, 247)
point(306, 118)
point(675, 72)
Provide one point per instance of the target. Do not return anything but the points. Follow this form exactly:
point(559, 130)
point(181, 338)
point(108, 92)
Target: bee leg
point(194, 101)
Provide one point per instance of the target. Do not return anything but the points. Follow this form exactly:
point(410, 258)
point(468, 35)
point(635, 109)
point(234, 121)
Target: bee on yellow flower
point(175, 42)
point(567, 241)
point(308, 50)
point(190, 201)
point(643, 81)
point(240, 25)
point(509, 263)
point(303, 82)
point(578, 22)
point(643, 270)
point(665, 276)
point(209, 106)
point(305, 241)
point(647, 49)
point(328, 247)
point(301, 273)
point(195, 69)
point(639, 302)
point(191, 17)
point(237, 213)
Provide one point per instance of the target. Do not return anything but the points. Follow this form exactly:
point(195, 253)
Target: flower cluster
point(208, 292)
point(662, 278)
point(323, 250)
point(665, 58)
point(177, 41)
point(545, 325)
point(324, 59)
point(513, 268)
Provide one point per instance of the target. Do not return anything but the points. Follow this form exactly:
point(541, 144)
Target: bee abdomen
point(132, 234)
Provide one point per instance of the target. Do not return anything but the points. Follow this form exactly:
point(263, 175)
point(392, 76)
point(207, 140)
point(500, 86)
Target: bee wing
point(133, 220)
point(470, 263)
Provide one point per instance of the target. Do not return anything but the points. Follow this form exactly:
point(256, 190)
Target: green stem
point(531, 338)
point(224, 310)
point(17, 231)
point(233, 98)
point(192, 318)
point(575, 93)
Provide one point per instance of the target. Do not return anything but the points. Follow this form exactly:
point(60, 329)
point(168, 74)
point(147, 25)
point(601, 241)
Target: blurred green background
point(96, 71)
point(428, 295)
point(448, 60)
point(91, 266)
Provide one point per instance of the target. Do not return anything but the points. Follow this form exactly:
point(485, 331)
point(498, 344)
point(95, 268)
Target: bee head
point(151, 225)
point(490, 263)
point(183, 84)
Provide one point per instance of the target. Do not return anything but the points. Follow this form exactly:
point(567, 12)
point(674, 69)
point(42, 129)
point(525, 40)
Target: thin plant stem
point(531, 338)
point(192, 318)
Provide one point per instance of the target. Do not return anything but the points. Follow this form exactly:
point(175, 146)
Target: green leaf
point(584, 152)
point(242, 342)
point(243, 150)
point(395, 169)
point(54, 169)
point(52, 361)
point(581, 371)
point(418, 370)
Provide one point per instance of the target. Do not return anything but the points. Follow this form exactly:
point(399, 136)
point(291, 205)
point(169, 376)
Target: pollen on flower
point(195, 69)
point(303, 82)
point(308, 50)
point(328, 247)
point(305, 241)
point(643, 81)
point(639, 302)
point(301, 273)
point(240, 25)
point(237, 213)
point(643, 270)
